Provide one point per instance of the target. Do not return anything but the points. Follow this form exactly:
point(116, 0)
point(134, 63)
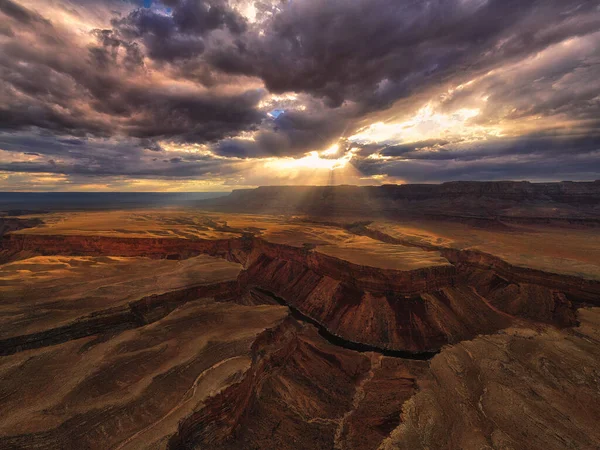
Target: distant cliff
point(578, 201)
point(8, 224)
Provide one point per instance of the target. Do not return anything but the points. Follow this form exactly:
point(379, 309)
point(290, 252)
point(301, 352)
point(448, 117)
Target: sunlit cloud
point(313, 160)
point(333, 150)
point(120, 95)
point(277, 104)
point(274, 99)
point(194, 149)
point(427, 124)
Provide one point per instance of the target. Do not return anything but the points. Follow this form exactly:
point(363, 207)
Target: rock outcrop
point(415, 311)
point(416, 322)
point(570, 200)
point(293, 396)
point(491, 273)
point(134, 343)
point(8, 224)
point(519, 389)
point(129, 390)
point(303, 393)
point(82, 245)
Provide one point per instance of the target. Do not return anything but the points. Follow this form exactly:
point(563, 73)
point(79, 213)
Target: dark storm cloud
point(538, 156)
point(376, 51)
point(293, 133)
point(148, 144)
point(549, 146)
point(542, 169)
point(101, 90)
point(152, 74)
point(105, 90)
point(407, 149)
point(186, 117)
point(19, 13)
point(562, 167)
point(158, 169)
point(160, 36)
point(103, 157)
point(108, 52)
point(370, 54)
point(179, 35)
point(560, 82)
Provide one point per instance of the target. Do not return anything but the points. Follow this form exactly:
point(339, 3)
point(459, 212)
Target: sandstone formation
point(294, 396)
point(534, 389)
point(562, 250)
point(413, 322)
point(130, 390)
point(222, 331)
point(8, 224)
point(49, 300)
point(567, 202)
point(386, 297)
point(78, 245)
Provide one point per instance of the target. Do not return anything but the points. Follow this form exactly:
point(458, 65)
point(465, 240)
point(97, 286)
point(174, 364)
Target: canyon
point(181, 328)
point(486, 202)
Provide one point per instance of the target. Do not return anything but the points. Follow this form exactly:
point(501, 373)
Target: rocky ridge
point(414, 310)
point(569, 202)
point(295, 389)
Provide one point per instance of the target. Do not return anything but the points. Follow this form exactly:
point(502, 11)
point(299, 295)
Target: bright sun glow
point(314, 161)
point(331, 150)
point(426, 124)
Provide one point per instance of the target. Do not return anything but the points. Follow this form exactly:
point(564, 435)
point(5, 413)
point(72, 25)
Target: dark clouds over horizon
point(99, 93)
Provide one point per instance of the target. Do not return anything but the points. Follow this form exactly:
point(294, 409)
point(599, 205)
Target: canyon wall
point(8, 224)
point(134, 314)
point(415, 311)
point(419, 322)
point(525, 389)
point(483, 199)
point(222, 366)
point(467, 261)
point(82, 245)
point(303, 393)
point(406, 282)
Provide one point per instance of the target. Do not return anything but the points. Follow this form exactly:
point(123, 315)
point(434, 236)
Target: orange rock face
point(415, 311)
point(415, 323)
point(294, 396)
point(117, 246)
point(524, 388)
point(343, 338)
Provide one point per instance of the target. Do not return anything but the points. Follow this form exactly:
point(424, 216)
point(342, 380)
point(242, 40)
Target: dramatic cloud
point(375, 51)
point(102, 87)
point(179, 35)
point(217, 91)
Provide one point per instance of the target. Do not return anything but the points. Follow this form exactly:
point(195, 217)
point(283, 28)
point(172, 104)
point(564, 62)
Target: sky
point(214, 95)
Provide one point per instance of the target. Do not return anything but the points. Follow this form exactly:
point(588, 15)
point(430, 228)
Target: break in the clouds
point(212, 94)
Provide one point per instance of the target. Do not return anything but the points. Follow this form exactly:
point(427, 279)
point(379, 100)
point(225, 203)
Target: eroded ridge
point(186, 342)
point(416, 309)
point(518, 389)
point(130, 390)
